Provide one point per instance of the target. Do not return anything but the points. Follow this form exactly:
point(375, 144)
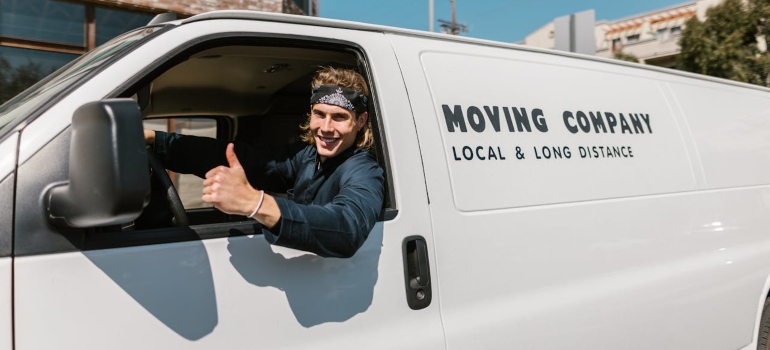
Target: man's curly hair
point(346, 78)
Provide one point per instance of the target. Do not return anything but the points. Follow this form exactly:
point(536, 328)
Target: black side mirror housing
point(108, 173)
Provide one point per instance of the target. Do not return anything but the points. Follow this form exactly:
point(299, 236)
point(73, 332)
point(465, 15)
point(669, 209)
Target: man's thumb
point(231, 158)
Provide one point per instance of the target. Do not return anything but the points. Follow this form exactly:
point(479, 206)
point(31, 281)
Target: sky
point(500, 20)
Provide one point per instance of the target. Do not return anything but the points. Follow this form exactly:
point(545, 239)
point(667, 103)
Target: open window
point(253, 91)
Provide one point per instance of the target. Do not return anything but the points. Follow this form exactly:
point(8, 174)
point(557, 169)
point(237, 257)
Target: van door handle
point(423, 271)
point(416, 272)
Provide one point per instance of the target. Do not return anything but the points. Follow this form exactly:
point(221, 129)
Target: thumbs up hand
point(228, 189)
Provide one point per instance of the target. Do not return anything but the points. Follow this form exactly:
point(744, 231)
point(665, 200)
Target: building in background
point(39, 36)
point(652, 37)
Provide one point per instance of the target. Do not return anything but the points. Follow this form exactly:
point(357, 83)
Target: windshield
point(55, 84)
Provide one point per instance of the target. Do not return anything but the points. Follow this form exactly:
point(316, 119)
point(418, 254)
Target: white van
point(535, 199)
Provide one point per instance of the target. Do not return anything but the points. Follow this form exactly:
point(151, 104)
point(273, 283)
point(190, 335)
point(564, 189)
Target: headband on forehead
point(346, 98)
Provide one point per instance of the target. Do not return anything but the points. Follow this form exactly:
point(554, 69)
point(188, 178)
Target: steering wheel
point(172, 196)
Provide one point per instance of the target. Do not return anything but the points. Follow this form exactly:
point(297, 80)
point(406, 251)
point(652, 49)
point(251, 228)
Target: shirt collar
point(333, 162)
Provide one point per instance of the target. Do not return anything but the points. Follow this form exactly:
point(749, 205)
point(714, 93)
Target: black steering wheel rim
point(172, 196)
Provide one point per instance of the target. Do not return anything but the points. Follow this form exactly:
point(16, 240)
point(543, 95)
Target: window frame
point(115, 237)
point(633, 38)
point(89, 34)
point(229, 227)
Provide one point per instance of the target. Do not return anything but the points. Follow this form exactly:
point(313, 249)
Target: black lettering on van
point(521, 119)
point(454, 118)
point(583, 122)
point(467, 153)
point(611, 121)
point(492, 153)
point(473, 113)
point(597, 121)
point(567, 116)
point(624, 125)
point(539, 119)
point(478, 155)
point(636, 123)
point(646, 118)
point(508, 119)
point(494, 116)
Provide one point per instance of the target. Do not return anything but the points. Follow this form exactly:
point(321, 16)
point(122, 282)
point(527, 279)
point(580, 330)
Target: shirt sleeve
point(266, 169)
point(336, 229)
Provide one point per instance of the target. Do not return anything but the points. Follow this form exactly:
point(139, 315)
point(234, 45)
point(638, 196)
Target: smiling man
point(334, 185)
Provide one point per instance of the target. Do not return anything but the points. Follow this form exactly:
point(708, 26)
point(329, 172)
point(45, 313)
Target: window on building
point(306, 6)
point(40, 36)
point(43, 20)
point(617, 45)
point(632, 38)
point(111, 23)
point(303, 4)
point(22, 68)
point(666, 34)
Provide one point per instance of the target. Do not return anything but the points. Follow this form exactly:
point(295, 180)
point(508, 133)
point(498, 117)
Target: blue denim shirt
point(331, 206)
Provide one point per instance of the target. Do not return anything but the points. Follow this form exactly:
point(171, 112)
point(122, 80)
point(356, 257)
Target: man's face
point(334, 129)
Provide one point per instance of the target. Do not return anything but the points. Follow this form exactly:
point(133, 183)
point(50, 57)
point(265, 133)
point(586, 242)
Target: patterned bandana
point(346, 98)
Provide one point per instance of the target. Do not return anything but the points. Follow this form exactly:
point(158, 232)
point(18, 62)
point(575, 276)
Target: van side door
point(218, 284)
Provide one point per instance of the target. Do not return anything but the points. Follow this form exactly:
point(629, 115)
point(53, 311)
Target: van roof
point(325, 22)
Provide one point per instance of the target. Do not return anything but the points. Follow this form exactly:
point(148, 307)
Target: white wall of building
point(652, 37)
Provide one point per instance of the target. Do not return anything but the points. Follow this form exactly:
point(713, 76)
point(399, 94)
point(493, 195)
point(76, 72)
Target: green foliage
point(725, 44)
point(620, 55)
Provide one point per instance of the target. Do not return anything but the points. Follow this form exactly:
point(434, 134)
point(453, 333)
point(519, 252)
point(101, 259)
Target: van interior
point(251, 92)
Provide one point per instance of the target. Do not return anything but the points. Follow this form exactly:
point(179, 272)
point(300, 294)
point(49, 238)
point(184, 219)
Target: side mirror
point(108, 174)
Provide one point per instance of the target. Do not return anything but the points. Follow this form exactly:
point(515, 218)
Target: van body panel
point(8, 149)
point(6, 215)
point(604, 265)
point(633, 271)
point(538, 129)
point(732, 132)
point(230, 293)
point(6, 306)
point(33, 234)
point(237, 292)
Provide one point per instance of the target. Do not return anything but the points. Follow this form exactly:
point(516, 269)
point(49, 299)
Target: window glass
point(632, 38)
point(189, 187)
point(45, 20)
point(22, 68)
point(111, 23)
point(304, 5)
point(51, 87)
point(616, 44)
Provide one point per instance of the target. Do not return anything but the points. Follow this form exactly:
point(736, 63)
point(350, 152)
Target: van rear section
point(583, 203)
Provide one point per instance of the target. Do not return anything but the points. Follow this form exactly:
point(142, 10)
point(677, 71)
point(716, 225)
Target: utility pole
point(453, 27)
point(430, 15)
